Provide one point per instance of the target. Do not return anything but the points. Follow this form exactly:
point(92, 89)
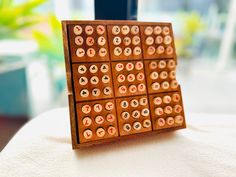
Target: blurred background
point(32, 72)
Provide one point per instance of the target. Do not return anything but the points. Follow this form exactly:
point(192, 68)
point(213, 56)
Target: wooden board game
point(121, 78)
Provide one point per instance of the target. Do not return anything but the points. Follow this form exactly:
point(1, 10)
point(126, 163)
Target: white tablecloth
point(207, 148)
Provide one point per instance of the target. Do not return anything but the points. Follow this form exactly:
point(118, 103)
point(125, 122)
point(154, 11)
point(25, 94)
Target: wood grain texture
point(130, 110)
point(70, 90)
point(76, 101)
point(159, 71)
point(94, 125)
point(122, 45)
point(164, 115)
point(95, 46)
point(126, 74)
point(89, 86)
point(156, 45)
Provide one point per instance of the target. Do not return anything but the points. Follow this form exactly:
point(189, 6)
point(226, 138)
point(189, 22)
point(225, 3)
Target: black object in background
point(116, 9)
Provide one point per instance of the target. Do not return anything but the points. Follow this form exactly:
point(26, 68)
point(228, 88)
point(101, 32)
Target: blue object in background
point(13, 93)
point(116, 9)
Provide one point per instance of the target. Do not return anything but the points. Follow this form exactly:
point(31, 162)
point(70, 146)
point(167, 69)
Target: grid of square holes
point(118, 72)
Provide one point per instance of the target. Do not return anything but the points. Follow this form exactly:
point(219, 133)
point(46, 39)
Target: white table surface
point(207, 148)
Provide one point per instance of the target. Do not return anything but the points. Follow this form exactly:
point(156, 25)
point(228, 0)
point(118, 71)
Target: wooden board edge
point(112, 22)
point(72, 110)
point(127, 137)
point(181, 96)
point(174, 46)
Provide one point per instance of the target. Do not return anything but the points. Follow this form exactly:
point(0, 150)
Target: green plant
point(15, 17)
point(192, 24)
point(51, 44)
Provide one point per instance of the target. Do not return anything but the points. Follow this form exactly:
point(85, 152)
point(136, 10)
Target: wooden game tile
point(133, 115)
point(128, 78)
point(92, 81)
point(96, 120)
point(88, 42)
point(124, 42)
point(161, 75)
point(157, 41)
point(167, 110)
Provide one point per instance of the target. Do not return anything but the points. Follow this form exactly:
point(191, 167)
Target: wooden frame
point(76, 143)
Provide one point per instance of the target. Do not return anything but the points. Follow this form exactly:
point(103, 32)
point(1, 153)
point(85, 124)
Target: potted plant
point(50, 46)
point(16, 18)
point(18, 69)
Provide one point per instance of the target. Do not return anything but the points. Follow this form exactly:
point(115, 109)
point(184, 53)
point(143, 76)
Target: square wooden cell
point(88, 42)
point(167, 110)
point(133, 115)
point(125, 42)
point(128, 78)
point(157, 41)
point(161, 75)
point(92, 81)
point(96, 120)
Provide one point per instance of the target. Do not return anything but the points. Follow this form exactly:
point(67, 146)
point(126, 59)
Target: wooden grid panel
point(133, 115)
point(92, 81)
point(166, 110)
point(134, 72)
point(124, 42)
point(88, 43)
point(129, 78)
point(161, 75)
point(157, 41)
point(97, 120)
